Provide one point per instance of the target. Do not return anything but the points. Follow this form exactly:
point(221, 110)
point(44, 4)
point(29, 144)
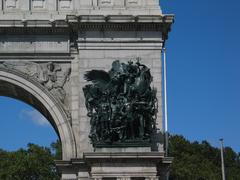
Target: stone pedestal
point(125, 165)
point(116, 166)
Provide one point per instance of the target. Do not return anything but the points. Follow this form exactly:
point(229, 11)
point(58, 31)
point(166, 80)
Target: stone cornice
point(33, 23)
point(123, 155)
point(36, 57)
point(122, 18)
point(120, 45)
point(12, 29)
point(126, 26)
point(146, 158)
point(72, 24)
point(72, 19)
point(131, 157)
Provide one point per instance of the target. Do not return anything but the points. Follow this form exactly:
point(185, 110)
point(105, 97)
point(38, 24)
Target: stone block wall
point(83, 35)
point(97, 50)
point(56, 8)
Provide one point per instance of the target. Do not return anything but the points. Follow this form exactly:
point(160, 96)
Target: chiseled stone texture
point(56, 9)
point(81, 35)
point(18, 85)
point(116, 45)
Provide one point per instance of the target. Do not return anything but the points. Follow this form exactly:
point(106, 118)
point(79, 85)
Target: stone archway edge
point(59, 116)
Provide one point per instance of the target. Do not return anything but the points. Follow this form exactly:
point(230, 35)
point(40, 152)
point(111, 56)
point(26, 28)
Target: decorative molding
point(39, 58)
point(120, 27)
point(133, 3)
point(56, 101)
point(38, 4)
point(154, 156)
point(11, 30)
point(103, 3)
point(168, 18)
point(82, 45)
point(57, 7)
point(50, 75)
point(35, 44)
point(11, 4)
point(65, 4)
point(79, 20)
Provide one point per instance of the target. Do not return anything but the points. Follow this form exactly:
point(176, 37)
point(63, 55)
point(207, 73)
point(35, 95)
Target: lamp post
point(222, 160)
point(165, 101)
point(165, 107)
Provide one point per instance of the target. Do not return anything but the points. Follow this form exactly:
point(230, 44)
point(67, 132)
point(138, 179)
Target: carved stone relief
point(133, 2)
point(38, 4)
point(50, 75)
point(105, 2)
point(65, 4)
point(11, 4)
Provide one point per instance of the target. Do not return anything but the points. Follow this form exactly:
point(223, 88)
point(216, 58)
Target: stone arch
point(19, 86)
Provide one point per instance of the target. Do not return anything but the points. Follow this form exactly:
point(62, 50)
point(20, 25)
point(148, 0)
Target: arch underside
point(21, 87)
point(16, 92)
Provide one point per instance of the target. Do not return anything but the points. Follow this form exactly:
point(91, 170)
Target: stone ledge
point(24, 22)
point(33, 57)
point(92, 156)
point(168, 18)
point(123, 155)
point(123, 149)
point(98, 165)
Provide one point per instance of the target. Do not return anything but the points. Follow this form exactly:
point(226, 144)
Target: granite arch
point(19, 86)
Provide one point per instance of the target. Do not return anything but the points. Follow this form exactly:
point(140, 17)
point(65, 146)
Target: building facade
point(46, 47)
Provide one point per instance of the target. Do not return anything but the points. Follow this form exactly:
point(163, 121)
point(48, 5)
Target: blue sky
point(203, 54)
point(21, 124)
point(203, 79)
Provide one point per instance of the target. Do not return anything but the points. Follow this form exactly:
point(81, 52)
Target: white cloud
point(34, 116)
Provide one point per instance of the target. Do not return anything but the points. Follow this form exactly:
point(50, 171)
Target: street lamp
point(222, 160)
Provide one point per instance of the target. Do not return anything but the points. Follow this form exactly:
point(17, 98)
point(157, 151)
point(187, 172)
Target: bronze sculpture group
point(121, 104)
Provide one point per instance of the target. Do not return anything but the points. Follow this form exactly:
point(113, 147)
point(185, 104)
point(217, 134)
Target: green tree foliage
point(57, 148)
point(35, 163)
point(192, 161)
point(201, 161)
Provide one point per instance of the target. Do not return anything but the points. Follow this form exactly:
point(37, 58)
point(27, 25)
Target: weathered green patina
point(121, 104)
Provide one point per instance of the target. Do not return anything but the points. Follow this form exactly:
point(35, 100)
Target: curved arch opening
point(15, 92)
point(18, 86)
point(22, 124)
